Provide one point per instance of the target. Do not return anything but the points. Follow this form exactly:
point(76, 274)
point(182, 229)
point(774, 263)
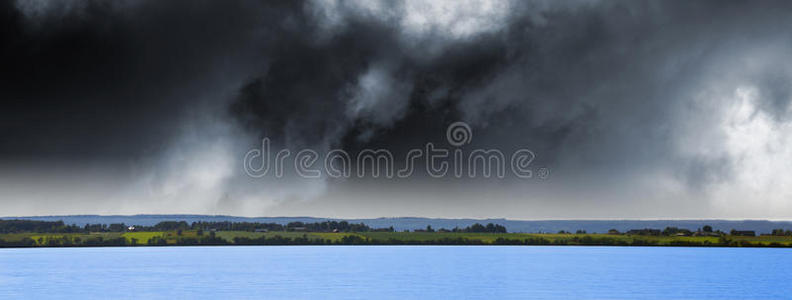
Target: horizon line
point(408, 217)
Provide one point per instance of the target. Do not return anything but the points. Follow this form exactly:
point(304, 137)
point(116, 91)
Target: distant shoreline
point(291, 238)
point(35, 233)
point(412, 223)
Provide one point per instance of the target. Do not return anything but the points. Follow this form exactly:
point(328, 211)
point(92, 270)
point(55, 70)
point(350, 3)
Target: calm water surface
point(396, 272)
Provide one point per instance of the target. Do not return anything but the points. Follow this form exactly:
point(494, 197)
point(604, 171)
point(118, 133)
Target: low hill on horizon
point(411, 223)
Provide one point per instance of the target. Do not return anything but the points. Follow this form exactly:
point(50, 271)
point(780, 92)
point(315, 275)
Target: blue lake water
point(396, 272)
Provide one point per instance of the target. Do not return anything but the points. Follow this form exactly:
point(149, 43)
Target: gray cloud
point(640, 109)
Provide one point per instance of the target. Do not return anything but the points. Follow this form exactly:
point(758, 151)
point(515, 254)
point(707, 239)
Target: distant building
point(131, 228)
point(260, 230)
point(613, 231)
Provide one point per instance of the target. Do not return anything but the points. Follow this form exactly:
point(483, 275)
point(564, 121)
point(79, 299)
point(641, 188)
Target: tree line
point(475, 228)
point(352, 239)
point(22, 226)
point(28, 226)
point(32, 226)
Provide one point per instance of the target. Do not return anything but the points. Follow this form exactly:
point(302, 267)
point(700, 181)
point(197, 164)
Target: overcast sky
point(638, 109)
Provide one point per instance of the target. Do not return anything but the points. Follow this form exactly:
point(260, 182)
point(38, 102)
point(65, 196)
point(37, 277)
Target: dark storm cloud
point(595, 81)
point(96, 78)
point(630, 103)
point(303, 92)
point(603, 92)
